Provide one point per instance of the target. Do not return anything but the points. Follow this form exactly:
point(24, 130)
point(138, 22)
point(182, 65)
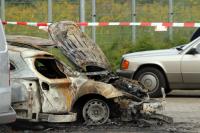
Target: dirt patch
point(111, 127)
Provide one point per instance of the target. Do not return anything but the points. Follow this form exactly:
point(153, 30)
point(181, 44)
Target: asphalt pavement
point(184, 106)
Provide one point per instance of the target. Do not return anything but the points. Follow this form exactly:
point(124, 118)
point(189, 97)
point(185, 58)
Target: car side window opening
point(49, 68)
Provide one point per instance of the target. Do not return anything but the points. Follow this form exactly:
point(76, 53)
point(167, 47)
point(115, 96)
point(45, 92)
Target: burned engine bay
point(126, 98)
point(89, 58)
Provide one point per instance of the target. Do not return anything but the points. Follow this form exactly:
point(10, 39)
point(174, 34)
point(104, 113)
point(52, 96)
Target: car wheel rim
point(96, 112)
point(150, 81)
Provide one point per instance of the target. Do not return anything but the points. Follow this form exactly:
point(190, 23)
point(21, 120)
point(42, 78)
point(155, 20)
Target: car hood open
point(78, 47)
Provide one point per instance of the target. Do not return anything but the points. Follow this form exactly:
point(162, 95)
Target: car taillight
point(124, 64)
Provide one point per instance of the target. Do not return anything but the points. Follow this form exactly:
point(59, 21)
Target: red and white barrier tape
point(149, 24)
point(26, 23)
point(145, 24)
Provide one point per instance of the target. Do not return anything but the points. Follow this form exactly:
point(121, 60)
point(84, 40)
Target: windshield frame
point(68, 71)
point(189, 45)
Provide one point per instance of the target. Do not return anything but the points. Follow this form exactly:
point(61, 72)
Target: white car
point(7, 114)
point(174, 68)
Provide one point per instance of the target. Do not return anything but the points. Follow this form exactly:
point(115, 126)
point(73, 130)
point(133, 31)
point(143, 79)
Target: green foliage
point(146, 42)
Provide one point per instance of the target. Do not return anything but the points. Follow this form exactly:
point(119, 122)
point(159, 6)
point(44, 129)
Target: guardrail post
point(133, 17)
point(94, 20)
point(82, 13)
point(50, 18)
point(171, 15)
point(3, 10)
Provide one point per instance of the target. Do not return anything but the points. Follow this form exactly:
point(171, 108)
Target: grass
point(114, 41)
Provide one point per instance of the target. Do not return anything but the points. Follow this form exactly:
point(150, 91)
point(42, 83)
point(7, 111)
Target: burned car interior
point(50, 91)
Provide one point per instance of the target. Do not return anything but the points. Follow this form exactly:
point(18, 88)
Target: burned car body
point(27, 89)
point(42, 92)
point(45, 89)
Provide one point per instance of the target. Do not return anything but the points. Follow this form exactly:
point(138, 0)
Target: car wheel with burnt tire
point(96, 112)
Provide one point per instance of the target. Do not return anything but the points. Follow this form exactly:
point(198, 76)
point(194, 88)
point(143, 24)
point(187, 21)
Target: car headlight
point(124, 64)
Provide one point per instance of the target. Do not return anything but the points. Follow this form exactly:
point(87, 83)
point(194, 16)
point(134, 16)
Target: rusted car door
point(56, 94)
point(78, 47)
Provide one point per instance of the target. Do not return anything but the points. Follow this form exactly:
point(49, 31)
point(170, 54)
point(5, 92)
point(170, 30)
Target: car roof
point(28, 46)
point(28, 52)
point(29, 40)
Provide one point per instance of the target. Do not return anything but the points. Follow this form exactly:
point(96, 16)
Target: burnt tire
point(153, 79)
point(95, 112)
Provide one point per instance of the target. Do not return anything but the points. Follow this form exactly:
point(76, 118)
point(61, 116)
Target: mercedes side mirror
point(193, 51)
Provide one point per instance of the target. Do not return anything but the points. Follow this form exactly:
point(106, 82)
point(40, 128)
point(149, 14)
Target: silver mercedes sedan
point(175, 68)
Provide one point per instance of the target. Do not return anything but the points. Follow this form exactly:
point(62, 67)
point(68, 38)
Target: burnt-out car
point(45, 89)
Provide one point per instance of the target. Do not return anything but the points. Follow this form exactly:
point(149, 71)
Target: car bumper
point(148, 110)
point(8, 117)
point(56, 118)
point(125, 73)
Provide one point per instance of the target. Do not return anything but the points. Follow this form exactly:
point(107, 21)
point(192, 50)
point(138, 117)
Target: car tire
point(153, 79)
point(95, 112)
